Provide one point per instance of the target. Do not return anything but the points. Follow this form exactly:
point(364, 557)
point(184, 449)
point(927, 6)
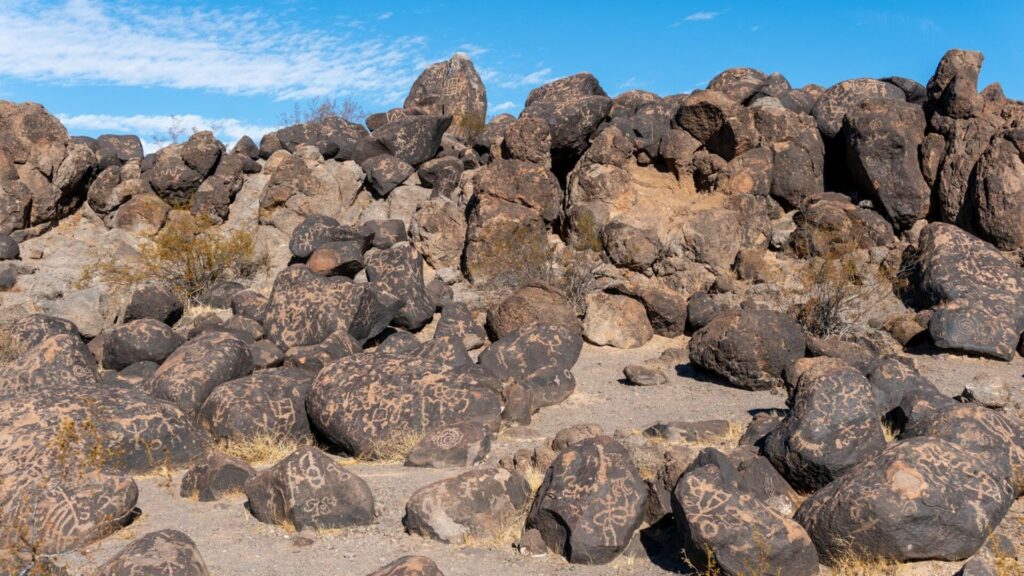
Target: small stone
point(987, 390)
point(639, 375)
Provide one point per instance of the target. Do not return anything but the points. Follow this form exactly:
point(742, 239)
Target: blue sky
point(125, 66)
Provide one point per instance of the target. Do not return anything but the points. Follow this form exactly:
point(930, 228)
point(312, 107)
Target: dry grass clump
point(81, 446)
point(394, 448)
point(261, 449)
point(850, 564)
point(10, 348)
point(188, 257)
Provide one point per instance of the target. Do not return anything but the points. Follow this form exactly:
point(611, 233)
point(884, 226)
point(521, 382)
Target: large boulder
point(993, 434)
point(832, 425)
point(503, 237)
point(920, 499)
point(53, 517)
point(376, 404)
point(452, 88)
point(834, 104)
point(616, 320)
point(573, 108)
point(438, 231)
point(539, 357)
point(479, 504)
point(725, 128)
point(977, 294)
point(999, 193)
point(162, 552)
point(591, 502)
point(750, 348)
point(953, 89)
point(309, 490)
point(269, 403)
point(332, 135)
point(305, 308)
point(530, 304)
point(413, 139)
point(145, 340)
point(213, 477)
point(883, 138)
point(521, 183)
point(398, 273)
point(188, 375)
point(735, 532)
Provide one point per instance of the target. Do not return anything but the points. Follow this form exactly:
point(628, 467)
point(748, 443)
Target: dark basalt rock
point(214, 476)
point(163, 552)
point(476, 504)
point(923, 498)
point(268, 403)
point(188, 375)
point(591, 502)
point(538, 357)
point(749, 347)
point(368, 403)
point(144, 340)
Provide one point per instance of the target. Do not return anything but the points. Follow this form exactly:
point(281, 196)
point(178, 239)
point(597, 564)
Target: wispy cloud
point(701, 16)
point(146, 127)
point(473, 50)
point(208, 49)
point(533, 78)
point(385, 16)
point(503, 107)
point(630, 82)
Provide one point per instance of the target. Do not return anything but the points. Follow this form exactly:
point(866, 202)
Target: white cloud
point(385, 16)
point(503, 107)
point(229, 130)
point(531, 79)
point(473, 50)
point(102, 41)
point(701, 16)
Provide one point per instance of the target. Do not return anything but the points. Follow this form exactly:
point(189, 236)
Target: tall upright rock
point(452, 88)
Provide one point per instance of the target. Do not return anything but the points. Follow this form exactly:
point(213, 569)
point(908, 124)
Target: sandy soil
point(232, 542)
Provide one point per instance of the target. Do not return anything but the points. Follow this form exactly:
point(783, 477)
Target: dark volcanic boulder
point(462, 444)
point(269, 403)
point(338, 259)
point(317, 230)
point(399, 273)
point(923, 498)
point(144, 340)
point(188, 375)
point(306, 308)
point(833, 105)
point(736, 532)
point(154, 302)
point(883, 138)
point(409, 566)
point(573, 108)
point(413, 139)
point(717, 121)
point(452, 88)
point(953, 89)
point(384, 173)
point(740, 84)
point(456, 320)
point(832, 425)
point(59, 363)
point(899, 388)
point(43, 518)
point(163, 552)
point(750, 348)
point(993, 434)
point(591, 502)
point(500, 235)
point(373, 404)
point(538, 357)
point(479, 504)
point(309, 490)
point(999, 193)
point(977, 293)
point(528, 305)
point(215, 476)
point(34, 328)
point(521, 183)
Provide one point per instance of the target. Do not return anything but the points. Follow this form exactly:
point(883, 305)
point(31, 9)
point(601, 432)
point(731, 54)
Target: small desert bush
point(572, 273)
point(842, 291)
point(323, 111)
point(260, 449)
point(188, 257)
